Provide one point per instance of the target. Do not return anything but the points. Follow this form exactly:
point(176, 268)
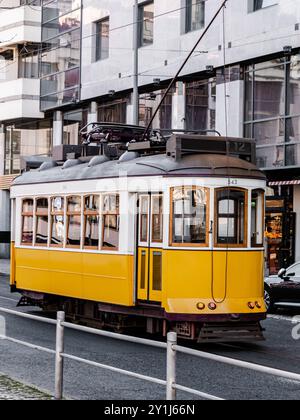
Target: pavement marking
point(6, 298)
point(283, 318)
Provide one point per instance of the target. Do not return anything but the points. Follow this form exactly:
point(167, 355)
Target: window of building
point(91, 221)
point(41, 234)
point(195, 15)
point(27, 221)
point(146, 24)
point(201, 104)
point(111, 221)
point(73, 122)
point(231, 213)
point(73, 239)
point(113, 112)
point(147, 105)
point(57, 221)
point(102, 39)
point(28, 63)
point(26, 139)
point(255, 5)
point(257, 218)
point(272, 111)
point(189, 216)
point(60, 59)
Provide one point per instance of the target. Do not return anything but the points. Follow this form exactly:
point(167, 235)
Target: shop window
point(57, 221)
point(189, 215)
point(41, 235)
point(110, 220)
point(257, 218)
point(91, 221)
point(74, 222)
point(231, 214)
point(27, 222)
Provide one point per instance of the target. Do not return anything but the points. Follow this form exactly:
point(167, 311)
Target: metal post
point(135, 95)
point(59, 360)
point(171, 366)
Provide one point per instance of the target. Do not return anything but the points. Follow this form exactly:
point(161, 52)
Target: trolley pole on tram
point(135, 95)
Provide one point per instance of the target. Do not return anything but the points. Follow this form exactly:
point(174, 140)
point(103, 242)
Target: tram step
point(231, 332)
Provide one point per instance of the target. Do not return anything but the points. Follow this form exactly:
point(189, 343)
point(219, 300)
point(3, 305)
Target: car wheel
point(268, 301)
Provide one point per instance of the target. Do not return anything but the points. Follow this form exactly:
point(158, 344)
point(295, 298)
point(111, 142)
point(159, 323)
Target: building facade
point(71, 62)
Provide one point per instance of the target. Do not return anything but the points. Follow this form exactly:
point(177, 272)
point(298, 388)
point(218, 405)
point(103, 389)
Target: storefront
point(280, 228)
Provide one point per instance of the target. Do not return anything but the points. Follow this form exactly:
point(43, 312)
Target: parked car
point(283, 290)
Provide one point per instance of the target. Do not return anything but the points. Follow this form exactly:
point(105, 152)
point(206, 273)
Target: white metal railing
point(171, 348)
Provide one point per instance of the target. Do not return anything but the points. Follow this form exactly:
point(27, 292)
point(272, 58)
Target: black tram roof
point(196, 165)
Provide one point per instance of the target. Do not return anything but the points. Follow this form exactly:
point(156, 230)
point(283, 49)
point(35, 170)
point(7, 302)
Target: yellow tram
point(158, 235)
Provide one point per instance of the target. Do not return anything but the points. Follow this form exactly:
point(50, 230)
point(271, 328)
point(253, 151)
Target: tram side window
point(111, 221)
point(257, 218)
point(57, 221)
point(231, 217)
point(189, 216)
point(74, 222)
point(27, 222)
point(41, 235)
point(91, 221)
point(157, 218)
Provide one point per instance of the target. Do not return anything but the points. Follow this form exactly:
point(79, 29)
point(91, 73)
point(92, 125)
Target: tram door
point(150, 242)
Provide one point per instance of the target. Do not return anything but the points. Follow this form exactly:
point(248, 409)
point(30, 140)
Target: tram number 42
point(233, 182)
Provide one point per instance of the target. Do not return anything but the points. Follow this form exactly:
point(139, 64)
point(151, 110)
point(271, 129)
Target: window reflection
point(189, 215)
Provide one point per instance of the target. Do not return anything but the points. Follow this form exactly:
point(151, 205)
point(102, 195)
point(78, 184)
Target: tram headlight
point(251, 305)
point(212, 306)
point(200, 306)
point(258, 305)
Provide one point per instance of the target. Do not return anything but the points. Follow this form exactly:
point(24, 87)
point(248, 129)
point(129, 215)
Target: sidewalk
point(4, 266)
point(13, 390)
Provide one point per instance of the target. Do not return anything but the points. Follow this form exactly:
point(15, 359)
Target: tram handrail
point(171, 349)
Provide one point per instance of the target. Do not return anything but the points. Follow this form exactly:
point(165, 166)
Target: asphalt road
point(32, 367)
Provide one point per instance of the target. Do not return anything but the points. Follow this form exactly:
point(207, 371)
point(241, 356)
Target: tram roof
point(201, 165)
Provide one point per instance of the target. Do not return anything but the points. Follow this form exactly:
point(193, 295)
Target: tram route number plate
point(233, 182)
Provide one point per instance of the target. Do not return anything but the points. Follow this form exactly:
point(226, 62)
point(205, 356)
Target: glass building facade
point(272, 111)
point(60, 53)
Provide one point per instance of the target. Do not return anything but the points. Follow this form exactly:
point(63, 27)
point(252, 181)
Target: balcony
point(20, 25)
point(20, 99)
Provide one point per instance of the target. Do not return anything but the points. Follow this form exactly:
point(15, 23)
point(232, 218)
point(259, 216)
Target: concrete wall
point(250, 35)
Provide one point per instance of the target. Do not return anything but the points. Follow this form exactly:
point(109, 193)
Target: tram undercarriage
point(151, 319)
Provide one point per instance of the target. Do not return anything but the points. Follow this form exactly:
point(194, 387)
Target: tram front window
point(189, 216)
point(231, 217)
point(257, 218)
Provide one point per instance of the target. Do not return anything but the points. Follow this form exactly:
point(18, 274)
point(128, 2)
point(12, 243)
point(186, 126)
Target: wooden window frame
point(216, 213)
point(41, 214)
point(87, 213)
point(190, 245)
point(262, 191)
point(142, 196)
point(158, 196)
point(27, 214)
point(71, 214)
point(57, 213)
point(109, 213)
